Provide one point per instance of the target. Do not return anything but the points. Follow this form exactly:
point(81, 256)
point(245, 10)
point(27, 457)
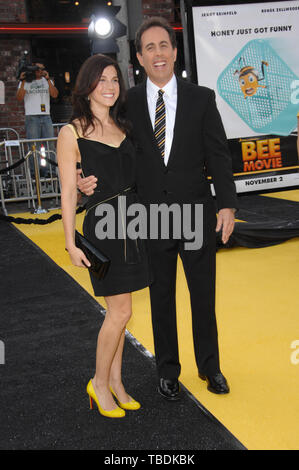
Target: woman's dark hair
point(150, 23)
point(87, 80)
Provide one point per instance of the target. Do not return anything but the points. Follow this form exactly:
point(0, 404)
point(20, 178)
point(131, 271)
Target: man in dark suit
point(180, 138)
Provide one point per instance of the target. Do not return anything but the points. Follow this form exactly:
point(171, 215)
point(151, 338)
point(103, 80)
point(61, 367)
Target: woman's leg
point(110, 344)
point(115, 373)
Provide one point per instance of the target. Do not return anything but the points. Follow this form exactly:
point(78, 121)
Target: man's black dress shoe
point(169, 388)
point(216, 383)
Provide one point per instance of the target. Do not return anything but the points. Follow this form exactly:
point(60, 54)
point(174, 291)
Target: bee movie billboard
point(249, 54)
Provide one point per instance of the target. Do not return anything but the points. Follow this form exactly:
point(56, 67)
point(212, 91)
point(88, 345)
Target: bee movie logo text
point(261, 154)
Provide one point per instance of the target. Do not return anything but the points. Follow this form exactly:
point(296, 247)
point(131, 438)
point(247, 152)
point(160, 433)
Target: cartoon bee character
point(249, 78)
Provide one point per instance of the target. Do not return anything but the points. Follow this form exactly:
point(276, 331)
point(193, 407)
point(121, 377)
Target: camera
point(29, 69)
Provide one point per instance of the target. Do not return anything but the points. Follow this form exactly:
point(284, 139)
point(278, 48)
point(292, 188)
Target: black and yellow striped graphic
point(160, 123)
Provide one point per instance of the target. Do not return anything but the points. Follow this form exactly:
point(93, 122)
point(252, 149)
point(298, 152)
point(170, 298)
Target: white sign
point(12, 143)
point(2, 92)
point(262, 183)
point(249, 54)
point(2, 353)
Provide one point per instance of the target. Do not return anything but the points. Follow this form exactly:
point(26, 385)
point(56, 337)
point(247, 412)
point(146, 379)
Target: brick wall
point(12, 11)
point(158, 8)
point(11, 51)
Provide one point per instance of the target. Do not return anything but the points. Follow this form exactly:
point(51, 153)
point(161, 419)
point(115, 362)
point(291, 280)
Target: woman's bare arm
point(67, 155)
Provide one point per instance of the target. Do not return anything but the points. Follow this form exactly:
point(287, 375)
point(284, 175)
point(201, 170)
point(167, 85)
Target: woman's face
point(107, 90)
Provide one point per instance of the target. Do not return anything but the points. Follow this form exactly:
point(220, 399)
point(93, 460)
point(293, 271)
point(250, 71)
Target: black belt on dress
point(123, 192)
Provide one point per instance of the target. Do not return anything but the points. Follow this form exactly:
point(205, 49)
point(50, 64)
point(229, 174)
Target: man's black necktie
point(160, 123)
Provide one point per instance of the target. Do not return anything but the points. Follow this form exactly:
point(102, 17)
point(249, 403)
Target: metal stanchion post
point(2, 197)
point(39, 209)
point(2, 192)
point(26, 188)
point(29, 180)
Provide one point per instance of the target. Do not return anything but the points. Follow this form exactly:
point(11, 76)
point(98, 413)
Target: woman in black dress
point(97, 139)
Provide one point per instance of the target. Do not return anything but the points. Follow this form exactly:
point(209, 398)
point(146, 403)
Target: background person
point(36, 96)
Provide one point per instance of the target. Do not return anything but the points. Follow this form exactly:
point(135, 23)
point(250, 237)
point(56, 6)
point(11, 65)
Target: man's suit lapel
point(145, 111)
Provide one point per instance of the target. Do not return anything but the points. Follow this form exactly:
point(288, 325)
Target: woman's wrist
point(70, 246)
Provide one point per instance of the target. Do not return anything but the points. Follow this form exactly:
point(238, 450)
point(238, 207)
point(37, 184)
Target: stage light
point(103, 30)
point(43, 155)
point(67, 77)
point(103, 27)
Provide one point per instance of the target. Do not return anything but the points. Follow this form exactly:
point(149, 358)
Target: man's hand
point(86, 185)
point(226, 222)
point(46, 75)
point(21, 92)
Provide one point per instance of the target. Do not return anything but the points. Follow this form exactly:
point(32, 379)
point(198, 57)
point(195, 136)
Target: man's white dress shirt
point(170, 100)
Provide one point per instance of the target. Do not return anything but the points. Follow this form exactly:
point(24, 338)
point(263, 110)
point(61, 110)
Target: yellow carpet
point(292, 195)
point(258, 318)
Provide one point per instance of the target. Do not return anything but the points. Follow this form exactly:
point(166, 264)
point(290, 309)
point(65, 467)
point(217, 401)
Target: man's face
point(40, 72)
point(157, 55)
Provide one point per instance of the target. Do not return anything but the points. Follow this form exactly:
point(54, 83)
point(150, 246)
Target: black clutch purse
point(99, 262)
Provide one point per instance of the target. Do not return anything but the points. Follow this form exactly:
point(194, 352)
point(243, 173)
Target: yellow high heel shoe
point(116, 413)
point(130, 405)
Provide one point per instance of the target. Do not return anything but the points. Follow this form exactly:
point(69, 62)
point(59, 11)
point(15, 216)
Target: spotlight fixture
point(67, 77)
point(104, 29)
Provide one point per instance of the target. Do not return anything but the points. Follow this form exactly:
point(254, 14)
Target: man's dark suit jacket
point(199, 148)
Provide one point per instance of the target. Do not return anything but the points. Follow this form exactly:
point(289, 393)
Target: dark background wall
point(59, 53)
